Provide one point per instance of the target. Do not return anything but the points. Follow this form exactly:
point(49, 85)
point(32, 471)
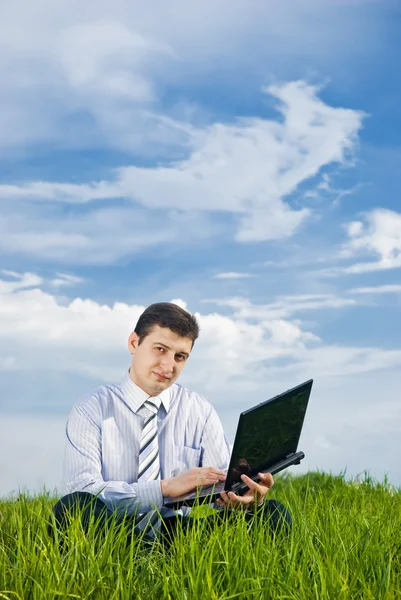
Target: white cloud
point(288, 333)
point(247, 169)
point(105, 59)
point(378, 289)
point(232, 275)
point(18, 281)
point(380, 235)
point(283, 307)
point(101, 236)
point(306, 352)
point(64, 280)
point(180, 303)
point(355, 228)
point(341, 361)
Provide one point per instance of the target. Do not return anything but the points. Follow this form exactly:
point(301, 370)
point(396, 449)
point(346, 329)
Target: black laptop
point(266, 442)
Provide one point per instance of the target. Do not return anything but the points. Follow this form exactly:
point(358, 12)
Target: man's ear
point(133, 342)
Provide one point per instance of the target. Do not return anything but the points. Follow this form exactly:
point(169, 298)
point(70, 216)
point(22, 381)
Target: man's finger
point(249, 482)
point(236, 499)
point(223, 500)
point(218, 472)
point(267, 479)
point(228, 499)
point(255, 490)
point(207, 480)
point(254, 485)
point(213, 470)
point(210, 472)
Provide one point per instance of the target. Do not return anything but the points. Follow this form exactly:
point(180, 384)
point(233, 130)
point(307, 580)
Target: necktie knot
point(152, 404)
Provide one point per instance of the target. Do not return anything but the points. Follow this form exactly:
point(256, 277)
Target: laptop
point(266, 442)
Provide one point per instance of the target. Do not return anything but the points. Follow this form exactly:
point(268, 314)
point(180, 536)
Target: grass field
point(345, 543)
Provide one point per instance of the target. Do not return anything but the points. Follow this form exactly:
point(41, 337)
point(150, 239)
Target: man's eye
point(180, 357)
point(160, 348)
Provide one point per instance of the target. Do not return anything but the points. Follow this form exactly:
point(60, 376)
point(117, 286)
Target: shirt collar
point(137, 396)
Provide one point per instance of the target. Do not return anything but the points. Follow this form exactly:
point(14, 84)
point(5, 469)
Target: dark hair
point(169, 315)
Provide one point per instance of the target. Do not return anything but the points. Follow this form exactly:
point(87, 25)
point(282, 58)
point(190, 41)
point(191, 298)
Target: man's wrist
point(149, 495)
point(165, 487)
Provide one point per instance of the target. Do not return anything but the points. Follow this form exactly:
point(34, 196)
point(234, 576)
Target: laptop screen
point(268, 433)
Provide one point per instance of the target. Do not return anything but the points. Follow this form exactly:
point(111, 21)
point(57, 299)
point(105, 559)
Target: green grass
point(345, 543)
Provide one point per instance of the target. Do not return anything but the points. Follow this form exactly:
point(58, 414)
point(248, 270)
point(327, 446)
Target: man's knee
point(277, 515)
point(82, 504)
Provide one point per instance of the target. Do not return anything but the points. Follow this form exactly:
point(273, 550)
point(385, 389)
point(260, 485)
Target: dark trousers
point(271, 514)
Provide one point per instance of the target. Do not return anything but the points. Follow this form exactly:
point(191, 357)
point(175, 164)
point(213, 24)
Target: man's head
point(160, 346)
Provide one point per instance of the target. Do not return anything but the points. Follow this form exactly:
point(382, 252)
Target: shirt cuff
point(149, 495)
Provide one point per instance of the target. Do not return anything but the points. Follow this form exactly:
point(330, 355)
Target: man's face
point(158, 360)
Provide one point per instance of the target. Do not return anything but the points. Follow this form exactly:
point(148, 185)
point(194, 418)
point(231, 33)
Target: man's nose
point(167, 363)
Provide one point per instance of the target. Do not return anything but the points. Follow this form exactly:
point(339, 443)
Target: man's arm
point(82, 470)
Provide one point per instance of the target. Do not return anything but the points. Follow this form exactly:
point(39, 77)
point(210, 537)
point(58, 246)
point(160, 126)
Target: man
point(133, 444)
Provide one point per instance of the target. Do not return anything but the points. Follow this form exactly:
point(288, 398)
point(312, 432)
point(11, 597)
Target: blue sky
point(242, 160)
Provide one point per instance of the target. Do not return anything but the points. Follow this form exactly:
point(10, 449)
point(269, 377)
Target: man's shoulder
point(98, 396)
point(184, 394)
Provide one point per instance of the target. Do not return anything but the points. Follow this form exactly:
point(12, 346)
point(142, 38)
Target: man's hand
point(190, 480)
point(256, 493)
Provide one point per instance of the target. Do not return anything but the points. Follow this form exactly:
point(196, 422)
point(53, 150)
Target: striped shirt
point(103, 437)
